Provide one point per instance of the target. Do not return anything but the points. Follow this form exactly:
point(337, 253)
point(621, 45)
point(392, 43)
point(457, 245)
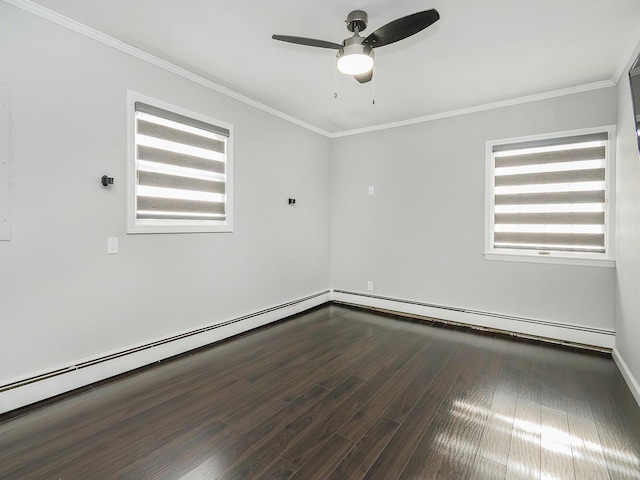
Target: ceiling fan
point(355, 54)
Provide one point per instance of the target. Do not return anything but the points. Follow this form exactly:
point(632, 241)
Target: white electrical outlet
point(370, 285)
point(371, 190)
point(112, 245)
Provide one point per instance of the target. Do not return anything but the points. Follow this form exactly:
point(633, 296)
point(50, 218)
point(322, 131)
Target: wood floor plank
point(395, 456)
point(76, 448)
point(325, 366)
point(512, 351)
point(261, 455)
point(393, 349)
point(280, 469)
point(305, 446)
point(237, 439)
point(524, 456)
point(61, 430)
point(321, 464)
point(619, 440)
point(301, 351)
point(288, 385)
point(529, 366)
point(450, 441)
point(621, 454)
point(345, 393)
point(430, 451)
point(349, 362)
point(496, 438)
point(462, 438)
point(588, 457)
point(140, 447)
point(409, 396)
point(552, 378)
point(362, 455)
point(484, 469)
point(527, 416)
point(371, 411)
point(555, 442)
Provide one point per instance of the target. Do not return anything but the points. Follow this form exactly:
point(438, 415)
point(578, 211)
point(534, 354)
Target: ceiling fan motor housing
point(353, 45)
point(357, 18)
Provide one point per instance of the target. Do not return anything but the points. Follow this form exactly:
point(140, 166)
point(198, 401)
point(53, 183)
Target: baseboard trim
point(20, 392)
point(565, 333)
point(632, 383)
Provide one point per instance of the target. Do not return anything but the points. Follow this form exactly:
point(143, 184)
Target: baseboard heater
point(571, 334)
point(147, 346)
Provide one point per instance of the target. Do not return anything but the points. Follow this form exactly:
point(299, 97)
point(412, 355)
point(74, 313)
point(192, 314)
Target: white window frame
point(606, 259)
point(134, 225)
point(5, 167)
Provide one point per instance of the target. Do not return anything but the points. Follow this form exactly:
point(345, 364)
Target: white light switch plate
point(112, 245)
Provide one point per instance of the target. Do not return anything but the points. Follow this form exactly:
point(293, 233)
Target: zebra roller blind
point(550, 195)
point(181, 169)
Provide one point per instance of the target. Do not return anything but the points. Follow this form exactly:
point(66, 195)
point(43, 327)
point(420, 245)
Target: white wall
point(61, 297)
point(420, 237)
point(628, 234)
point(5, 224)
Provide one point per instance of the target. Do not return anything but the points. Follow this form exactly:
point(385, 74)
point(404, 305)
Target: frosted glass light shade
point(355, 64)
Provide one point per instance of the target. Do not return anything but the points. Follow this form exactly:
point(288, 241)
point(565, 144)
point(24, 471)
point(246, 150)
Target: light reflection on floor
point(581, 450)
point(207, 469)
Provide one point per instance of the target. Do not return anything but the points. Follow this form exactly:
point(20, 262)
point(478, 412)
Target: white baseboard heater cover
point(27, 390)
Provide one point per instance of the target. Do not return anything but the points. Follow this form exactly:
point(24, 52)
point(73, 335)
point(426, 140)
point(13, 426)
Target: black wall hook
point(106, 181)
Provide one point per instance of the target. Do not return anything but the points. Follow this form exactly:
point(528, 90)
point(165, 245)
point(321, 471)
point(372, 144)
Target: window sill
point(558, 260)
point(143, 229)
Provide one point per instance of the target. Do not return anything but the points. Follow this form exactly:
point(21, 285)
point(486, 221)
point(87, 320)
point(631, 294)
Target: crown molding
point(627, 60)
point(66, 22)
point(480, 108)
point(89, 32)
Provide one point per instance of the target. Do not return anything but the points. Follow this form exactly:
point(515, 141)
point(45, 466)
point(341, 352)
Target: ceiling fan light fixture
point(355, 64)
point(355, 58)
point(355, 55)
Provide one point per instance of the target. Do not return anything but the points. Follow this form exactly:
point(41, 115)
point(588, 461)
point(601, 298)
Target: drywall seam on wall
point(626, 374)
point(519, 325)
point(41, 385)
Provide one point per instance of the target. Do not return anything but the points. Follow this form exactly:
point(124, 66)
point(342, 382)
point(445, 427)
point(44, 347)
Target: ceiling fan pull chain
point(373, 92)
point(335, 92)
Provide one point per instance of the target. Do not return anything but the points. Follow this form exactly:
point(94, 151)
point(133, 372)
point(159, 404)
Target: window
point(5, 227)
point(547, 198)
point(180, 170)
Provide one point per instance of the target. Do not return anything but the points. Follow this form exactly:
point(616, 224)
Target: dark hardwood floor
point(342, 393)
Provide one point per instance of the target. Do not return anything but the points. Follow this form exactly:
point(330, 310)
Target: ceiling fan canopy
point(355, 55)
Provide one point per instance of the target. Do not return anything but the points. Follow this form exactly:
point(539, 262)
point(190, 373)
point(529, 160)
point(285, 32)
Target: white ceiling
point(479, 52)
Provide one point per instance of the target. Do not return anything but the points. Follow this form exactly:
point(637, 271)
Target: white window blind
point(181, 170)
point(550, 196)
